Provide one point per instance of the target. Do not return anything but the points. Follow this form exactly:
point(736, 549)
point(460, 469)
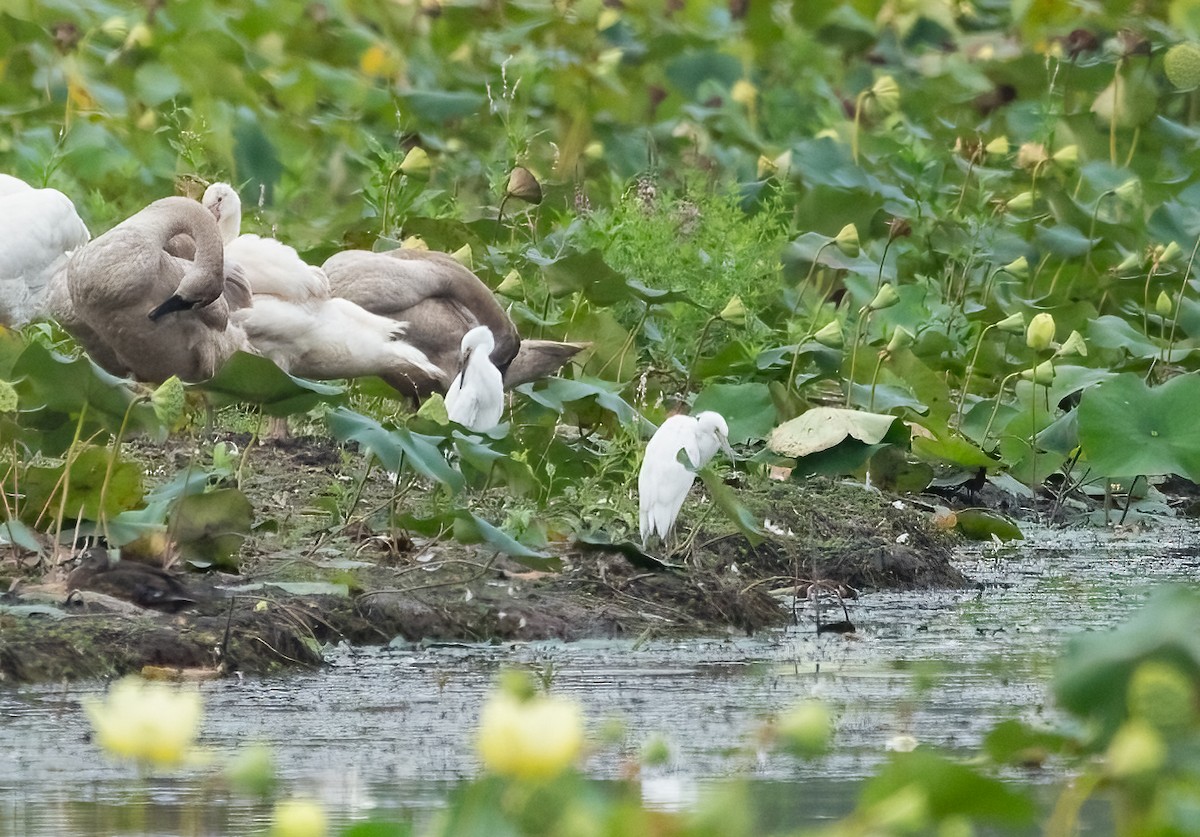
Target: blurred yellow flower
point(744, 92)
point(536, 738)
point(150, 722)
point(298, 818)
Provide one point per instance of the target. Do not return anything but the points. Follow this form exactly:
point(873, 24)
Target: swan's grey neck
point(204, 279)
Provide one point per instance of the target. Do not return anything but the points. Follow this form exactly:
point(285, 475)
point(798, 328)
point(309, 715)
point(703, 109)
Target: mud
point(401, 588)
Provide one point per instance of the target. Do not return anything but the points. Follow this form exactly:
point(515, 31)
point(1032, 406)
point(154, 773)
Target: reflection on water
point(388, 732)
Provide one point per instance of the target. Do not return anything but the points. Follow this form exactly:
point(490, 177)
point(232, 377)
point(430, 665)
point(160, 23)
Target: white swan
point(106, 296)
point(297, 324)
point(476, 395)
point(441, 300)
point(38, 230)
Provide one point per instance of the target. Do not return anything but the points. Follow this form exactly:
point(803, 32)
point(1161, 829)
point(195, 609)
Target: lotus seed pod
point(1182, 66)
point(1073, 345)
point(168, 401)
point(1040, 333)
point(1018, 268)
point(734, 311)
point(8, 398)
point(997, 147)
point(830, 335)
point(805, 730)
point(1066, 157)
point(463, 256)
point(902, 338)
point(1170, 253)
point(522, 185)
point(1020, 202)
point(415, 163)
point(1130, 191)
point(1042, 374)
point(1012, 324)
point(885, 297)
point(847, 241)
point(1163, 696)
point(511, 285)
point(1131, 263)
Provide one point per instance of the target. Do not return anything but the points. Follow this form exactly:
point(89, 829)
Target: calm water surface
point(388, 732)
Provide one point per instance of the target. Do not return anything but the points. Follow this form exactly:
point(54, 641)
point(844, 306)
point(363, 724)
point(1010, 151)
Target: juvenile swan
point(476, 395)
point(114, 282)
point(441, 301)
point(38, 230)
point(294, 320)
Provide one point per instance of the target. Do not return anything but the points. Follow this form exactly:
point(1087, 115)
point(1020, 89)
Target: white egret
point(39, 228)
point(664, 480)
point(441, 300)
point(476, 396)
point(104, 296)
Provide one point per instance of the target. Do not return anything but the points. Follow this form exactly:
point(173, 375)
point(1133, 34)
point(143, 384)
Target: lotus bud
point(902, 338)
point(1020, 202)
point(298, 818)
point(1169, 253)
point(830, 335)
point(1182, 66)
point(1012, 324)
point(734, 311)
point(415, 163)
point(744, 93)
point(522, 185)
point(139, 35)
point(1131, 263)
point(1163, 306)
point(1042, 374)
point(847, 241)
point(1130, 191)
point(594, 150)
point(414, 242)
point(1018, 268)
point(463, 256)
point(168, 401)
point(8, 398)
point(1031, 155)
point(805, 730)
point(1040, 333)
point(1066, 157)
point(511, 285)
point(1136, 749)
point(537, 738)
point(885, 297)
point(1073, 345)
point(886, 93)
point(997, 147)
point(115, 27)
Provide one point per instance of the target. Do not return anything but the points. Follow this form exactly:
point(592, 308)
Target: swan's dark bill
point(174, 303)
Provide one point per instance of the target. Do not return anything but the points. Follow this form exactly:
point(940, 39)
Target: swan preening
point(38, 230)
point(476, 395)
point(177, 288)
point(141, 311)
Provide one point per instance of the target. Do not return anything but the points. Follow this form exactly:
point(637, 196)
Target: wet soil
point(306, 582)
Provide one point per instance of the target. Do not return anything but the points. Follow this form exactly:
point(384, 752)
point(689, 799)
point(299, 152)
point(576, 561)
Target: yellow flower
point(1040, 333)
point(744, 92)
point(298, 818)
point(536, 738)
point(1135, 749)
point(150, 722)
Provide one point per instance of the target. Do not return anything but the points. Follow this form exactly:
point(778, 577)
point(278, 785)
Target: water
point(388, 732)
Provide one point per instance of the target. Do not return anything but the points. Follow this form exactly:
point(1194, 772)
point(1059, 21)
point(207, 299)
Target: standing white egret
point(38, 230)
point(476, 396)
point(664, 481)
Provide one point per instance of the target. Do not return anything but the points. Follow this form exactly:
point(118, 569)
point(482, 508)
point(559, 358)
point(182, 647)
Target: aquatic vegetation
point(152, 723)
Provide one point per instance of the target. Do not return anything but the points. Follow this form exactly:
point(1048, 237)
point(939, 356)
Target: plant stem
point(992, 418)
point(966, 384)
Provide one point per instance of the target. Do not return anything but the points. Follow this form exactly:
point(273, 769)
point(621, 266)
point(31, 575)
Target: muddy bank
point(354, 584)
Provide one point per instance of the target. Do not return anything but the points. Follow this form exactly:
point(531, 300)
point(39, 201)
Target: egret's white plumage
point(664, 481)
point(476, 395)
point(297, 323)
point(39, 228)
